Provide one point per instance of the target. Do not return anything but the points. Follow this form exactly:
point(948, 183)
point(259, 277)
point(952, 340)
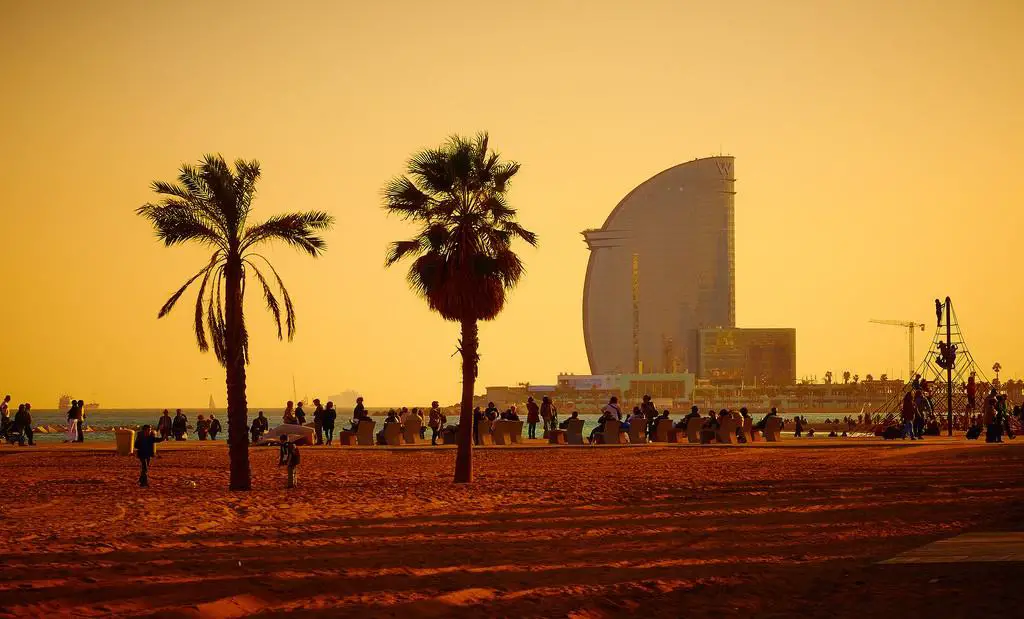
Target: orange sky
point(863, 131)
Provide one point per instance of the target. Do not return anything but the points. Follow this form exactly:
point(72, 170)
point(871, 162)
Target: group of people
point(178, 426)
point(435, 420)
point(994, 419)
point(648, 416)
point(16, 428)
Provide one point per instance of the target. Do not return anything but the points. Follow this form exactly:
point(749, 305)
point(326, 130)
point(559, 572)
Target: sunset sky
point(868, 135)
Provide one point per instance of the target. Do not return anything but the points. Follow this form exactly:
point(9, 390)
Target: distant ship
point(65, 402)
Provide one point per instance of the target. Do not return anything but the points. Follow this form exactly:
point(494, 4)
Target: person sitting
point(288, 417)
point(565, 424)
point(608, 415)
point(390, 419)
point(613, 407)
point(760, 425)
point(810, 432)
point(637, 416)
point(693, 414)
point(510, 414)
point(358, 414)
point(259, 427)
point(491, 412)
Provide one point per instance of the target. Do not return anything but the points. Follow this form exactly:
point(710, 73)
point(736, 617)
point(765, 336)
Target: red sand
point(565, 532)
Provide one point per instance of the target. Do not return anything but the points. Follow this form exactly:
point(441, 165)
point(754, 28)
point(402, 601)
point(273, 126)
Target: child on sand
point(290, 457)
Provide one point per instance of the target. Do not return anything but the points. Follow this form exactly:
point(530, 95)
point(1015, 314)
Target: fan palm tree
point(463, 263)
point(210, 205)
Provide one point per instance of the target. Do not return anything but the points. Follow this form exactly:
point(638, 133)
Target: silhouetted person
point(300, 415)
point(435, 421)
point(179, 426)
point(163, 425)
point(329, 417)
point(202, 427)
point(318, 422)
point(259, 427)
point(23, 424)
point(532, 417)
point(215, 427)
point(289, 456)
point(145, 449)
point(938, 313)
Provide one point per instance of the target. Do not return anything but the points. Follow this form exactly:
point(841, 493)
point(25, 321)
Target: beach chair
point(574, 432)
point(773, 430)
point(516, 431)
point(693, 427)
point(557, 437)
point(663, 431)
point(727, 431)
point(411, 430)
point(749, 432)
point(613, 435)
point(501, 432)
point(483, 433)
point(391, 435)
point(638, 431)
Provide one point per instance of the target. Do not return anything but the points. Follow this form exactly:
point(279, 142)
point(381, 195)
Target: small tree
point(846, 377)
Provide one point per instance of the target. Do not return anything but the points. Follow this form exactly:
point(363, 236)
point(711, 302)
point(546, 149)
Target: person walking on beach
point(318, 422)
point(300, 415)
point(81, 421)
point(215, 427)
point(650, 413)
point(163, 425)
point(179, 426)
point(533, 417)
point(202, 427)
point(145, 449)
point(289, 456)
point(23, 424)
point(71, 435)
point(259, 427)
point(330, 416)
point(435, 421)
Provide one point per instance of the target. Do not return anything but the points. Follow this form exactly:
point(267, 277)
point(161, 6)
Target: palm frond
point(431, 171)
point(403, 198)
point(289, 308)
point(179, 222)
point(401, 249)
point(169, 305)
point(296, 229)
point(198, 325)
point(268, 296)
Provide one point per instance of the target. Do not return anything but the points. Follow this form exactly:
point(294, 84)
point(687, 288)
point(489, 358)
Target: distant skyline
point(865, 132)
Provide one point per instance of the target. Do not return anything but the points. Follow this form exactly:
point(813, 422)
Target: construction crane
point(909, 326)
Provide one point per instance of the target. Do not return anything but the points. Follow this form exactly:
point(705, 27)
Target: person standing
point(908, 413)
point(290, 458)
point(71, 435)
point(435, 421)
point(5, 416)
point(330, 416)
point(215, 427)
point(145, 449)
point(533, 417)
point(650, 413)
point(202, 427)
point(300, 415)
point(23, 424)
point(260, 425)
point(163, 425)
point(81, 421)
point(318, 421)
point(179, 426)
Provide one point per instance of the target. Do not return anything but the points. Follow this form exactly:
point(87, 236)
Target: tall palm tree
point(210, 205)
point(464, 265)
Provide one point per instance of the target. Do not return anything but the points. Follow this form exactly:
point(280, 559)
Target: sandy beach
point(656, 531)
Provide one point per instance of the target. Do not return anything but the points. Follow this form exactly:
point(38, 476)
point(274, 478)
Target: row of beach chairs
point(503, 432)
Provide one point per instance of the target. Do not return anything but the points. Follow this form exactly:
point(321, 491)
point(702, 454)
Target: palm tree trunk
point(238, 422)
point(464, 458)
